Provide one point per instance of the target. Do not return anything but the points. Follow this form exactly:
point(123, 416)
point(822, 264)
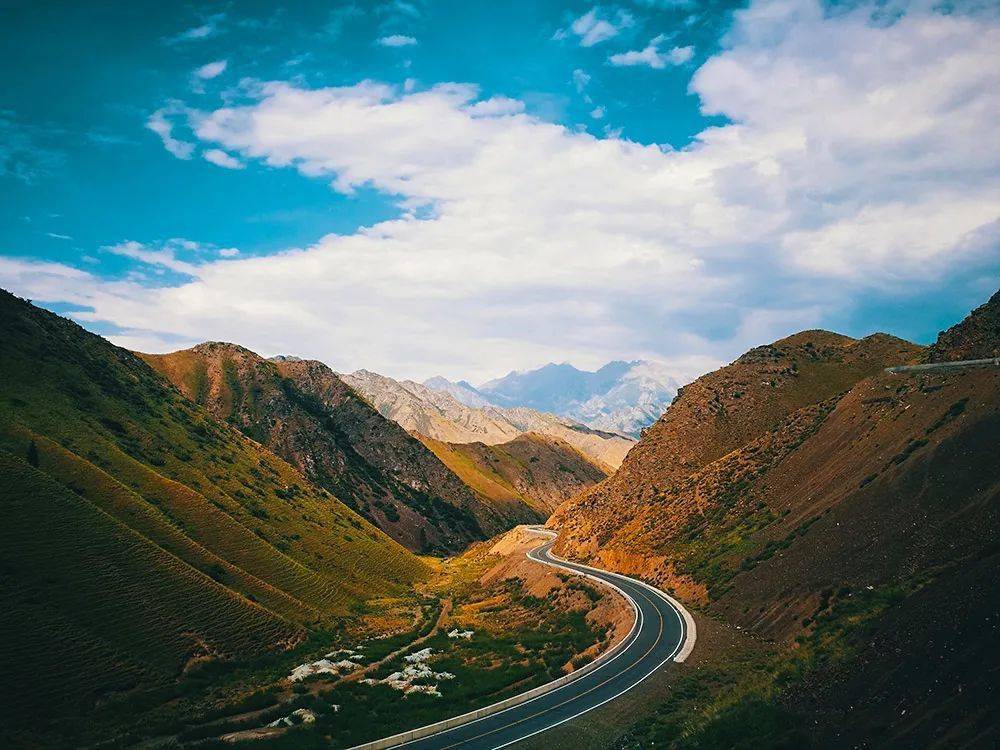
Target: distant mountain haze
point(622, 397)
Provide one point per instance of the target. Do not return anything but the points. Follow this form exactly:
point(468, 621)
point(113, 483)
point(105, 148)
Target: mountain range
point(439, 415)
point(171, 519)
point(622, 397)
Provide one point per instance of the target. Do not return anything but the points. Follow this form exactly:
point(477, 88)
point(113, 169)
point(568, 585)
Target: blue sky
point(465, 188)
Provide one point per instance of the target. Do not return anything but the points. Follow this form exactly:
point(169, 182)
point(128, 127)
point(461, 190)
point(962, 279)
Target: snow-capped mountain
point(437, 414)
point(463, 391)
point(620, 397)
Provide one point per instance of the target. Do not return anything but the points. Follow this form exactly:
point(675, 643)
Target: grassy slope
point(532, 470)
point(142, 533)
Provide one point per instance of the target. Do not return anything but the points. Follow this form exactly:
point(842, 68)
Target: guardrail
point(495, 708)
point(994, 362)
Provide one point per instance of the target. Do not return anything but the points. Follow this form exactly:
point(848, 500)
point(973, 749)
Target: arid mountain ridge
point(816, 501)
point(439, 415)
point(206, 506)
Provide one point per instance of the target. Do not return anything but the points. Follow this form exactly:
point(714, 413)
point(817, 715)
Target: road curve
point(663, 631)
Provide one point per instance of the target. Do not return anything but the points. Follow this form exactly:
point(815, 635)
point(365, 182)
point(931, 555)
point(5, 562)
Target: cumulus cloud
point(652, 57)
point(597, 25)
point(580, 80)
point(855, 162)
point(397, 40)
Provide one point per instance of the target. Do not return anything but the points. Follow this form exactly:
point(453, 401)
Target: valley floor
point(489, 624)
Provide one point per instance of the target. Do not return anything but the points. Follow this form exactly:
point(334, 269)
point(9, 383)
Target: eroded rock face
point(803, 485)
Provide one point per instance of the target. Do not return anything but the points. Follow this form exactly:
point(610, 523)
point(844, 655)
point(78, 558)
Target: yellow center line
point(659, 637)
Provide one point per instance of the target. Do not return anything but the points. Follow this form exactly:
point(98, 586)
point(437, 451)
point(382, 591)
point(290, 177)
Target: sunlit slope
point(533, 471)
point(140, 533)
point(304, 413)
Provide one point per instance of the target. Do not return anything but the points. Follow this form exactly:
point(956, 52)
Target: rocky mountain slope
point(303, 412)
point(621, 397)
point(845, 514)
point(439, 415)
point(143, 539)
point(720, 412)
point(976, 337)
point(533, 469)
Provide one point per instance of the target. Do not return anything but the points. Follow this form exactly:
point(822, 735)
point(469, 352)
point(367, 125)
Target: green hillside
point(141, 537)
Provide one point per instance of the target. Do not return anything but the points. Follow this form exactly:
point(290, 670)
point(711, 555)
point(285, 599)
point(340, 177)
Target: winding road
point(663, 631)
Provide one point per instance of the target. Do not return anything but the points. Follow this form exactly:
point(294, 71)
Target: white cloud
point(652, 57)
point(596, 26)
point(397, 40)
point(597, 113)
point(209, 28)
point(57, 236)
point(164, 257)
point(160, 124)
point(498, 105)
point(229, 252)
point(221, 159)
point(856, 162)
point(580, 80)
point(211, 70)
point(680, 55)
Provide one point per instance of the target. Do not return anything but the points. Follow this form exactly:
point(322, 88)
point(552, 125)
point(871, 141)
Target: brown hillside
point(858, 532)
point(537, 470)
point(303, 412)
point(718, 413)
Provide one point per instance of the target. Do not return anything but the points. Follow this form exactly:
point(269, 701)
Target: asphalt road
point(660, 635)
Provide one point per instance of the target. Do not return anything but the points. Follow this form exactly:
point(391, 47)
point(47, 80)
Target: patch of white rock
point(347, 661)
point(417, 669)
